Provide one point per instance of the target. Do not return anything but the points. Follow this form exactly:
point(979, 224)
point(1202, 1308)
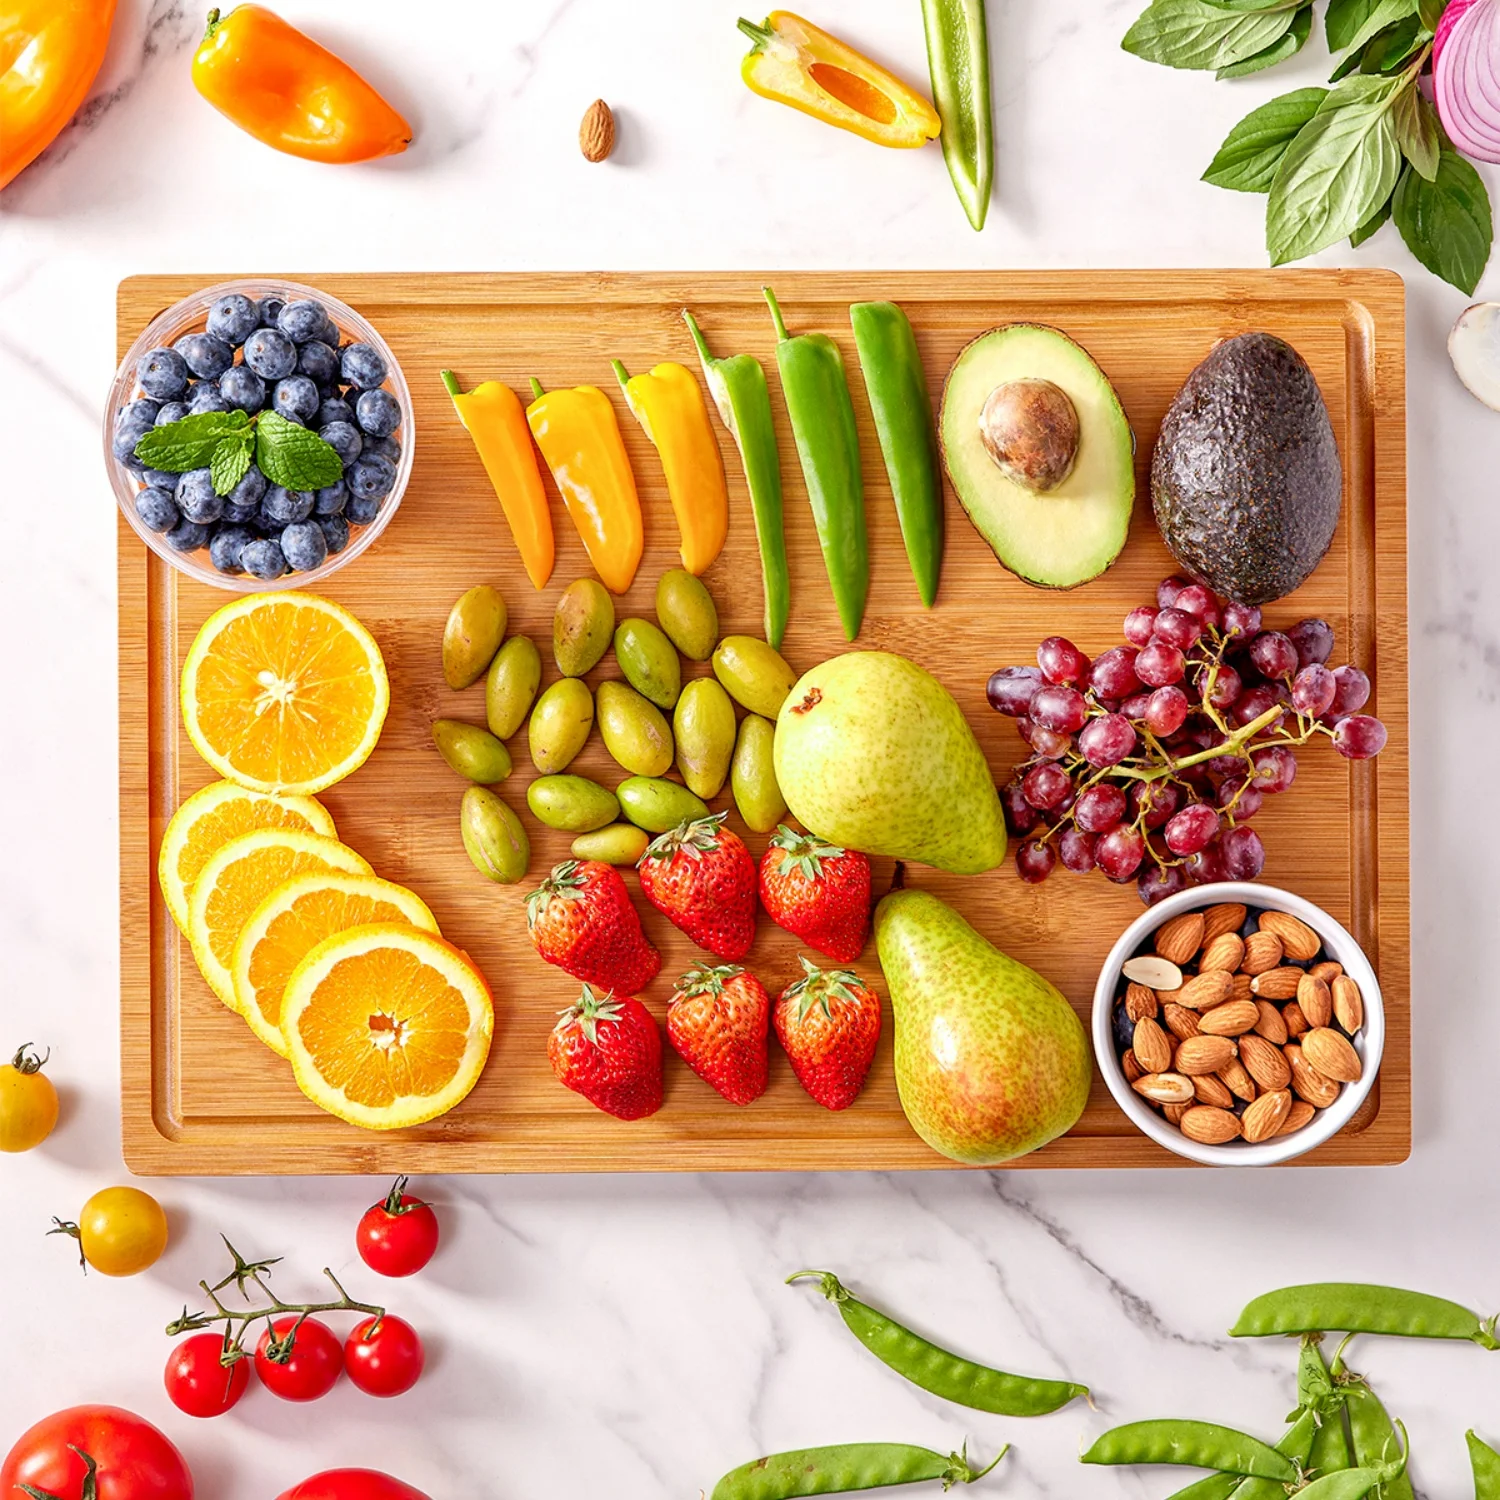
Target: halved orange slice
point(386, 1026)
point(284, 692)
point(292, 921)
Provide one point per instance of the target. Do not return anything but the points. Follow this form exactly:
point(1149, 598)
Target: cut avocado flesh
point(1063, 536)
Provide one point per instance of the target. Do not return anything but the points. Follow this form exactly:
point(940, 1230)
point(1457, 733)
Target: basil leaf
point(1393, 48)
point(1381, 13)
point(231, 461)
point(1195, 34)
point(1344, 18)
point(1337, 172)
point(293, 457)
point(1289, 46)
point(1252, 151)
point(1431, 12)
point(1375, 222)
point(188, 443)
point(1447, 223)
point(1243, 5)
point(1417, 132)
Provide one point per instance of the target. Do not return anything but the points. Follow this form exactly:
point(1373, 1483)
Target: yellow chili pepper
point(496, 421)
point(670, 407)
point(579, 436)
point(796, 63)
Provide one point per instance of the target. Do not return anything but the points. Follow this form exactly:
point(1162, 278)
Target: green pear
point(872, 753)
point(991, 1061)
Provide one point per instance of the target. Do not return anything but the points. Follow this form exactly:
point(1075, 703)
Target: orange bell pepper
point(496, 421)
point(50, 52)
point(579, 436)
point(670, 407)
point(287, 91)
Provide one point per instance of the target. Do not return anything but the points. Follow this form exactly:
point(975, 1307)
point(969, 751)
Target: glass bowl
point(190, 316)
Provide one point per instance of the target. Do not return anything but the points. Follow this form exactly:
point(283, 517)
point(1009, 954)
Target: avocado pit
point(1030, 429)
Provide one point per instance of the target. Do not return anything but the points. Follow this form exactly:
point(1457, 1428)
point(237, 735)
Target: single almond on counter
point(1179, 940)
point(1180, 1021)
point(1227, 917)
point(1266, 1116)
point(1262, 951)
point(1327, 971)
point(1212, 1127)
point(1277, 984)
point(1348, 1003)
point(1165, 1088)
point(1332, 1054)
point(1152, 970)
point(1153, 1051)
point(1204, 991)
point(1302, 1113)
point(1298, 940)
point(1238, 1081)
point(1315, 999)
point(1141, 1002)
point(1264, 1063)
point(1232, 1018)
point(1203, 1054)
point(1270, 1025)
point(1208, 1088)
point(596, 135)
point(1227, 952)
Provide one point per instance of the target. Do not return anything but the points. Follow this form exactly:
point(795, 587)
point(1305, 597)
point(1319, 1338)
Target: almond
point(1225, 952)
point(1204, 991)
point(1152, 1049)
point(1165, 1088)
point(1348, 1003)
point(1332, 1054)
point(1130, 1066)
point(1302, 1113)
point(1327, 971)
point(1174, 1112)
point(1265, 1117)
point(1232, 1018)
point(1264, 1063)
point(1307, 1083)
point(596, 135)
point(1241, 990)
point(1262, 951)
point(1315, 1000)
point(1270, 1025)
point(1238, 1081)
point(1155, 972)
point(1140, 1002)
point(1294, 1021)
point(1298, 940)
point(1212, 1127)
point(1179, 940)
point(1209, 1089)
point(1276, 984)
point(1180, 1021)
point(1203, 1054)
point(1227, 917)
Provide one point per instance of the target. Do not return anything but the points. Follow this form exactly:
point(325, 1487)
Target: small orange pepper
point(50, 52)
point(287, 91)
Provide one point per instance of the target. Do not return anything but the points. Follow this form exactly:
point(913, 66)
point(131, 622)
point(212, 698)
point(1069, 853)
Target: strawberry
point(718, 1019)
point(703, 878)
point(580, 918)
point(829, 1023)
point(609, 1051)
point(818, 891)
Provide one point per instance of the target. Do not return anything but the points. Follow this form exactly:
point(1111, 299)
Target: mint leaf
point(293, 457)
point(189, 443)
point(231, 461)
point(1289, 46)
point(1373, 224)
point(1247, 161)
point(1447, 223)
point(1417, 132)
point(1195, 34)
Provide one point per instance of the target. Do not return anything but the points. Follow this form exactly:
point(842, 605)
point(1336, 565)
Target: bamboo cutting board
point(202, 1096)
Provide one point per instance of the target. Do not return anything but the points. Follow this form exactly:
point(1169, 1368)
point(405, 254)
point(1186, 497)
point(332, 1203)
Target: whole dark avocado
point(1246, 482)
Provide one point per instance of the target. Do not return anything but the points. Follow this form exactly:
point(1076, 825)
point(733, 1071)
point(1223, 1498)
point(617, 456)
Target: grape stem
point(1233, 745)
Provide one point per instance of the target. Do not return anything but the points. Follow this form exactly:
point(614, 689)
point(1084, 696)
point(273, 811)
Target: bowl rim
point(1370, 1043)
point(166, 325)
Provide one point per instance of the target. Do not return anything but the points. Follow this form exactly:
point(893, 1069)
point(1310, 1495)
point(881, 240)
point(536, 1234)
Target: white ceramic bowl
point(1337, 943)
point(189, 316)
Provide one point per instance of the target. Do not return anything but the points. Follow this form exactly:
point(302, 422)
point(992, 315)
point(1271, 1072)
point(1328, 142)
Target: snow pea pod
point(937, 1370)
point(1373, 1439)
point(848, 1467)
point(1314, 1384)
point(1330, 1449)
point(1296, 1445)
point(1210, 1487)
point(1354, 1308)
point(1200, 1445)
point(1352, 1484)
point(1486, 1464)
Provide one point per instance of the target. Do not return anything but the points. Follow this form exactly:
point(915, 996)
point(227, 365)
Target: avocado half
point(1246, 482)
point(1066, 535)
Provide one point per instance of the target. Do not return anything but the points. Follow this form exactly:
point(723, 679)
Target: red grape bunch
point(1150, 761)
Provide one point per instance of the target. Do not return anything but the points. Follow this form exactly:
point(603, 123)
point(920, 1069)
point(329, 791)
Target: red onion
point(1466, 76)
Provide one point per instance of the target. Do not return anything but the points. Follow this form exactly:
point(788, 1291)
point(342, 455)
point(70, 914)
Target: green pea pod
point(738, 387)
point(817, 400)
point(1199, 1445)
point(1352, 1484)
point(851, 1466)
point(1314, 1384)
point(958, 58)
point(1210, 1487)
point(938, 1371)
point(1296, 1445)
point(1373, 1439)
point(1330, 1450)
point(1354, 1308)
point(1486, 1464)
point(897, 387)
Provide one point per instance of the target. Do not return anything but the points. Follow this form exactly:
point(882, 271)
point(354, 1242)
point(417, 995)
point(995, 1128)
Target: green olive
point(494, 837)
point(757, 793)
point(635, 731)
point(687, 614)
point(471, 751)
point(582, 626)
point(657, 805)
point(619, 844)
point(472, 636)
point(510, 689)
point(572, 803)
point(754, 674)
point(703, 726)
point(649, 661)
point(560, 724)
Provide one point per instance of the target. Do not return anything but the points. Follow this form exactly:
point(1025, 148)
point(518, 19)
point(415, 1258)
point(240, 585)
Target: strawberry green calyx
point(803, 852)
point(707, 979)
point(818, 986)
point(587, 1011)
point(695, 838)
point(564, 883)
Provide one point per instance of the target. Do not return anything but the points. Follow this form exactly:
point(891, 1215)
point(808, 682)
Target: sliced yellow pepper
point(796, 63)
point(496, 421)
point(670, 407)
point(579, 436)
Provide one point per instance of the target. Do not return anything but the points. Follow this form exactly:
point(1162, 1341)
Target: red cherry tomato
point(352, 1484)
point(313, 1367)
point(198, 1383)
point(397, 1237)
point(384, 1356)
point(133, 1461)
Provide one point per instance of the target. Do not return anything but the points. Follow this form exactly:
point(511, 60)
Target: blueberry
point(296, 398)
point(122, 445)
point(263, 558)
point(240, 515)
point(207, 357)
point(371, 478)
point(317, 361)
point(280, 507)
point(241, 387)
point(303, 320)
point(344, 439)
point(227, 545)
point(187, 536)
point(271, 354)
point(331, 501)
point(330, 334)
point(335, 532)
point(163, 373)
point(378, 412)
point(247, 494)
point(269, 309)
point(1123, 1028)
point(171, 411)
point(233, 318)
point(387, 448)
point(362, 365)
point(156, 507)
point(333, 409)
point(160, 479)
point(304, 546)
point(196, 497)
point(206, 398)
point(362, 509)
point(141, 413)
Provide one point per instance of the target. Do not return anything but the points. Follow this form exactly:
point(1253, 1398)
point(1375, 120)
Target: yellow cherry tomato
point(28, 1102)
point(120, 1232)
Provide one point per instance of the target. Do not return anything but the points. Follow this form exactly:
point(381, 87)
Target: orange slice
point(386, 1026)
point(284, 692)
point(292, 921)
point(210, 818)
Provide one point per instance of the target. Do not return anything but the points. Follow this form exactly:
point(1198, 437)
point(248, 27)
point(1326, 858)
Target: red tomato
point(397, 1237)
point(197, 1383)
point(315, 1362)
point(352, 1484)
point(384, 1356)
point(134, 1461)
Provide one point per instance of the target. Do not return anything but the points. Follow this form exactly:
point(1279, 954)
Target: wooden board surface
point(201, 1095)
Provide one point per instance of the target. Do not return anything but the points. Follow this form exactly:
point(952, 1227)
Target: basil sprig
point(225, 442)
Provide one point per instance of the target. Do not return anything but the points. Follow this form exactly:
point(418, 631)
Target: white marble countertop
point(630, 1337)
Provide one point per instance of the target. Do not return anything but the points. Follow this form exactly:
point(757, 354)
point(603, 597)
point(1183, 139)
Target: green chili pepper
point(958, 58)
point(1486, 1464)
point(1353, 1308)
point(738, 387)
point(936, 1370)
point(817, 400)
point(1200, 1445)
point(897, 387)
point(852, 1466)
